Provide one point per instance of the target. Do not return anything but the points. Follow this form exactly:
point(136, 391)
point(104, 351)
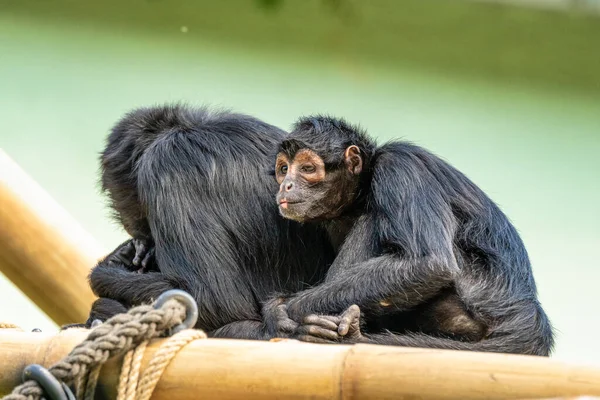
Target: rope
point(130, 387)
point(130, 372)
point(8, 325)
point(124, 333)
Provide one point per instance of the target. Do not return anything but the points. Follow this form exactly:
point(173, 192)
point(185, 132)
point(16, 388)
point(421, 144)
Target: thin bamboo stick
point(234, 369)
point(43, 250)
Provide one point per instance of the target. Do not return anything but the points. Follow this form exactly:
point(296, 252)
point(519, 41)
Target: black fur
point(421, 227)
point(196, 182)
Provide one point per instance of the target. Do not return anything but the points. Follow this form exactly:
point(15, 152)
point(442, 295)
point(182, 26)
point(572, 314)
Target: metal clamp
point(189, 303)
point(53, 388)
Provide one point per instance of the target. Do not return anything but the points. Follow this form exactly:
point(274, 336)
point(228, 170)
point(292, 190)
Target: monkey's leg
point(247, 329)
point(405, 282)
point(129, 288)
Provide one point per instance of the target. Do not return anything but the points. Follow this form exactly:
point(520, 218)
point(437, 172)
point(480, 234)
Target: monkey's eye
point(283, 169)
point(308, 169)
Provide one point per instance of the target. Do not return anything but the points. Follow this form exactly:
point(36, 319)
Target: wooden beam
point(43, 250)
point(233, 369)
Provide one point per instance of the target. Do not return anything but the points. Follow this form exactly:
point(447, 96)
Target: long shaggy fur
point(197, 183)
point(423, 227)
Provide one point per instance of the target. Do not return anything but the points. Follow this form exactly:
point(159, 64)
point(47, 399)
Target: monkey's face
point(307, 192)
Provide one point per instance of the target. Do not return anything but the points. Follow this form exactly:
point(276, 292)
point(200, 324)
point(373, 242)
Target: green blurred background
point(508, 94)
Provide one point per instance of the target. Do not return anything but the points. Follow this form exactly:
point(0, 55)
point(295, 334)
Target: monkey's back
point(141, 128)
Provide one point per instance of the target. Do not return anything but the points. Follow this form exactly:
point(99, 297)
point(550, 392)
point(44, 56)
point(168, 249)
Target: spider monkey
point(422, 253)
point(191, 186)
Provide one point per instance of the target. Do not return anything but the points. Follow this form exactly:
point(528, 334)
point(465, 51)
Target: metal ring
point(95, 323)
point(53, 388)
point(190, 306)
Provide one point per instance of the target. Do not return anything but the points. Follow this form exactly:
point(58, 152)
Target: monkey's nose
point(289, 186)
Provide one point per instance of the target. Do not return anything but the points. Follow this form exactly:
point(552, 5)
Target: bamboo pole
point(233, 369)
point(43, 250)
point(48, 256)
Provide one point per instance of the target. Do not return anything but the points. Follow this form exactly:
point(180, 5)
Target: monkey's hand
point(319, 329)
point(134, 255)
point(344, 328)
point(122, 256)
point(277, 319)
point(144, 253)
point(285, 325)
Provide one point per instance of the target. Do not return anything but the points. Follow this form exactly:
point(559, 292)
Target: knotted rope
point(124, 333)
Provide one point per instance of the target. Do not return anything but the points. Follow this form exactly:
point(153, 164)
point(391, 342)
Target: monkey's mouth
point(285, 203)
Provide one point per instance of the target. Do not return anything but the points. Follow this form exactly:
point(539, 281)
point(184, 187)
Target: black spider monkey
point(192, 188)
point(417, 243)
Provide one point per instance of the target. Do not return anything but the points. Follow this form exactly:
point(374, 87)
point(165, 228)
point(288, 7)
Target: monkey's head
point(320, 168)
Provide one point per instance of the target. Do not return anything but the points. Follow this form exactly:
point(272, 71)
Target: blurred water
point(536, 153)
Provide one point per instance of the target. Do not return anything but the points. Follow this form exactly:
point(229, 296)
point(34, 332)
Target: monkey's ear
point(353, 160)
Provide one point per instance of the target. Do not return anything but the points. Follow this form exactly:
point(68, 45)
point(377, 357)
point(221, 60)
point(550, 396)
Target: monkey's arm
point(397, 282)
point(114, 279)
point(129, 288)
point(411, 221)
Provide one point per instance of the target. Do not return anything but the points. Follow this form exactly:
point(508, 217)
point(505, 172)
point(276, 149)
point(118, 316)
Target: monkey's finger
point(320, 321)
point(344, 327)
point(140, 250)
point(288, 326)
point(128, 250)
point(349, 316)
point(125, 253)
point(281, 312)
point(318, 332)
point(148, 257)
point(336, 319)
point(137, 260)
